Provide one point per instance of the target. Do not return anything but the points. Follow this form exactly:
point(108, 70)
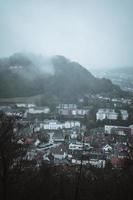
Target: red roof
point(29, 141)
point(116, 162)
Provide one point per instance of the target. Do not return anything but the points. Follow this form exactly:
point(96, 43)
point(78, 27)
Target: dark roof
point(59, 149)
point(58, 135)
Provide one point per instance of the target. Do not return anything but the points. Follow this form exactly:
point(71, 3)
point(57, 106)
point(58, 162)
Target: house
point(107, 148)
point(97, 163)
point(44, 146)
point(78, 146)
point(106, 114)
point(78, 162)
point(74, 146)
point(51, 125)
point(120, 147)
point(111, 114)
point(13, 112)
point(20, 141)
point(58, 137)
point(67, 106)
point(55, 124)
point(108, 128)
point(86, 160)
point(73, 135)
point(37, 142)
point(71, 124)
point(60, 152)
point(20, 105)
point(79, 156)
point(24, 105)
point(73, 112)
point(38, 110)
point(123, 154)
point(124, 114)
point(65, 112)
point(79, 112)
point(118, 130)
point(3, 107)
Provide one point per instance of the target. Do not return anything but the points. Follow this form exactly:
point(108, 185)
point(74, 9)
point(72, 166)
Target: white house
point(106, 114)
point(124, 114)
point(78, 146)
point(55, 124)
point(38, 110)
point(37, 142)
point(75, 146)
point(74, 135)
point(14, 113)
point(97, 163)
point(120, 130)
point(81, 112)
point(51, 125)
point(73, 111)
point(94, 162)
point(24, 105)
point(37, 129)
point(71, 124)
point(108, 128)
point(107, 148)
point(67, 106)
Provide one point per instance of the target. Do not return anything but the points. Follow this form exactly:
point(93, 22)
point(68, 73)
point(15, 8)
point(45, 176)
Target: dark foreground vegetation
point(22, 179)
point(61, 183)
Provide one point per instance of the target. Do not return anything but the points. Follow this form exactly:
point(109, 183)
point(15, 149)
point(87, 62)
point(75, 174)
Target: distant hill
point(57, 77)
point(122, 76)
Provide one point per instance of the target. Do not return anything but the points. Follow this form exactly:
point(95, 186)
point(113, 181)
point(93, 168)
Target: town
point(93, 132)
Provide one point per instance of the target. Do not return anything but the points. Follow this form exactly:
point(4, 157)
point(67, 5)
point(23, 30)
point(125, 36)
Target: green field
point(32, 99)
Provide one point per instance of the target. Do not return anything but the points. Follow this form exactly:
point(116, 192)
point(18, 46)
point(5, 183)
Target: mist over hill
point(56, 77)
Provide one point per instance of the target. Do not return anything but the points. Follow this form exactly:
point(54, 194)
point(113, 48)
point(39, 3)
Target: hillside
point(57, 78)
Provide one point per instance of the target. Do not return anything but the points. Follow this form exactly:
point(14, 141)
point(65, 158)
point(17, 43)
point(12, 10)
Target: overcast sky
point(96, 33)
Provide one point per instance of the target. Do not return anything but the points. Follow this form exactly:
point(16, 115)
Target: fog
point(95, 33)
